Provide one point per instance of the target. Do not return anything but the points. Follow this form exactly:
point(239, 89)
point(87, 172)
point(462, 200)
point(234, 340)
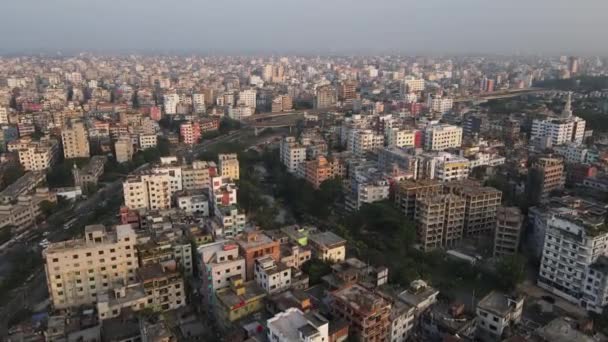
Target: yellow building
point(238, 301)
point(75, 141)
point(229, 166)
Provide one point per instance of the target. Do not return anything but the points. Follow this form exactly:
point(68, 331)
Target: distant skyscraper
point(573, 65)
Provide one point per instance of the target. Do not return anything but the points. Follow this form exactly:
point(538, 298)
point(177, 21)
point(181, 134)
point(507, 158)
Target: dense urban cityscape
point(303, 198)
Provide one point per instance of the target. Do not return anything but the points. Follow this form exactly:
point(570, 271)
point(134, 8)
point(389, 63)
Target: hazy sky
point(314, 26)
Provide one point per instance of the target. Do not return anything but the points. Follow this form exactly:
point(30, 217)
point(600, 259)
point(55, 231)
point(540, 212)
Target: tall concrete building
point(347, 90)
point(481, 204)
point(509, 221)
point(247, 97)
point(148, 191)
point(35, 155)
point(408, 192)
point(439, 220)
point(564, 129)
point(292, 153)
point(574, 263)
point(325, 97)
point(75, 139)
point(229, 166)
point(123, 149)
point(78, 270)
point(442, 136)
point(545, 175)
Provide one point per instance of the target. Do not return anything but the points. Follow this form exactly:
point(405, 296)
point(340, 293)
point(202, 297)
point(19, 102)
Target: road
point(34, 291)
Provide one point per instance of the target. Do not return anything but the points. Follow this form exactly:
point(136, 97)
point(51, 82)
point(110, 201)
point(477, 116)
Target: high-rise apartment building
point(408, 192)
point(35, 155)
point(442, 136)
point(545, 175)
point(403, 137)
point(481, 204)
point(566, 128)
point(247, 98)
point(148, 191)
point(439, 220)
point(282, 103)
point(170, 102)
point(509, 221)
point(325, 97)
point(229, 166)
point(363, 141)
point(123, 149)
point(347, 90)
point(292, 153)
point(75, 139)
point(574, 264)
point(78, 270)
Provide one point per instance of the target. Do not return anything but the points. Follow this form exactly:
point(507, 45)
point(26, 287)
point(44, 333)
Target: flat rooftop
point(498, 303)
point(327, 239)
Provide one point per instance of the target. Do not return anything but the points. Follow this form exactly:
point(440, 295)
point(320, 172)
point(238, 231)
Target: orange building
point(320, 169)
point(254, 245)
point(367, 312)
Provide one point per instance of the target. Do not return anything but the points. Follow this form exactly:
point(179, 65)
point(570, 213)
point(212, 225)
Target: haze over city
point(312, 26)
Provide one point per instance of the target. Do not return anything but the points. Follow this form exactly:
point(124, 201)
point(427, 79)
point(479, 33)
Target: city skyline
point(311, 27)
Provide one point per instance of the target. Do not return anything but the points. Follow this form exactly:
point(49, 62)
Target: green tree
point(316, 270)
point(47, 208)
point(511, 271)
point(11, 174)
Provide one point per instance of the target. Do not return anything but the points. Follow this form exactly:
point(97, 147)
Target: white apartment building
point(230, 219)
point(247, 98)
point(75, 139)
point(362, 141)
point(402, 321)
point(35, 155)
point(576, 153)
point(173, 171)
point(413, 84)
point(4, 115)
point(198, 102)
point(147, 141)
point(240, 112)
point(292, 154)
point(400, 137)
point(272, 276)
point(442, 136)
point(439, 104)
point(219, 261)
point(123, 149)
point(170, 102)
point(443, 166)
point(573, 252)
point(193, 202)
point(78, 270)
point(147, 191)
point(293, 325)
point(559, 131)
point(498, 311)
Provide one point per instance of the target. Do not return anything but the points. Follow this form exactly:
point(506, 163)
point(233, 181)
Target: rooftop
point(327, 239)
point(360, 298)
point(231, 300)
point(498, 303)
